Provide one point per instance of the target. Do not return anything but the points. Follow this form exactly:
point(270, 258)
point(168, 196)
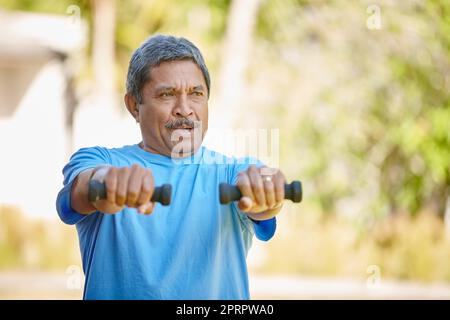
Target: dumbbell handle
point(162, 194)
point(229, 193)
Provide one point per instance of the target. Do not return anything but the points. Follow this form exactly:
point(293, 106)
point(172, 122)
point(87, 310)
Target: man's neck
point(182, 155)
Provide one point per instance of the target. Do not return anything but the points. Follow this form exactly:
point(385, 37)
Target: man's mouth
point(183, 129)
point(178, 133)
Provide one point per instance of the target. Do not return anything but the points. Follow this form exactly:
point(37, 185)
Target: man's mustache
point(182, 123)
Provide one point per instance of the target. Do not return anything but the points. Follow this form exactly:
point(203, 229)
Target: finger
point(269, 191)
point(244, 186)
point(147, 188)
point(245, 204)
point(111, 185)
point(279, 182)
point(134, 185)
point(122, 185)
point(146, 208)
point(257, 186)
point(268, 171)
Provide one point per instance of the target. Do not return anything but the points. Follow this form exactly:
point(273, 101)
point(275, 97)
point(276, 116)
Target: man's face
point(173, 115)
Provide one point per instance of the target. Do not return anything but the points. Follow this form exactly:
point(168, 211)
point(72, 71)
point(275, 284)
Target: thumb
point(146, 208)
point(245, 204)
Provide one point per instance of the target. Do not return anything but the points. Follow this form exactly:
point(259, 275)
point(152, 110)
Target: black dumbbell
point(229, 193)
point(162, 194)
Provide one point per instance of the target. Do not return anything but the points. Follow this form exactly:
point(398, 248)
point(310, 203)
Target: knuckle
point(120, 200)
point(110, 182)
point(243, 182)
point(268, 171)
point(110, 193)
point(258, 185)
point(110, 187)
point(279, 186)
point(242, 176)
point(279, 189)
point(148, 190)
point(120, 194)
point(268, 184)
point(111, 172)
point(145, 190)
point(132, 195)
point(137, 169)
point(109, 179)
point(279, 196)
point(148, 174)
point(258, 194)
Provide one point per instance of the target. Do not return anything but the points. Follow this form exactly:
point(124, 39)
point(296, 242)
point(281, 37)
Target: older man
point(195, 248)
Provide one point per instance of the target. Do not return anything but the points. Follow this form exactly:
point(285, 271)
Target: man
point(194, 248)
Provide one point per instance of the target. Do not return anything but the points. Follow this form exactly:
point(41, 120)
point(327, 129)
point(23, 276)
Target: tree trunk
point(103, 49)
point(236, 49)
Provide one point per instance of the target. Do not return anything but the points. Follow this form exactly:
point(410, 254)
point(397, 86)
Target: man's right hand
point(125, 186)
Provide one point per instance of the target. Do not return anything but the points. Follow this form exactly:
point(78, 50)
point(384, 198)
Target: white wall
point(33, 145)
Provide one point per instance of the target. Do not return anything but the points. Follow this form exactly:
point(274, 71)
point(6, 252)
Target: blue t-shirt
point(195, 248)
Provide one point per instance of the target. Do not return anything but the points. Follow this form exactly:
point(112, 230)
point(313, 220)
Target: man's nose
point(183, 109)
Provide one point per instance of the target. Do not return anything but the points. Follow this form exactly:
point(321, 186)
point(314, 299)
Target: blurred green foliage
point(365, 113)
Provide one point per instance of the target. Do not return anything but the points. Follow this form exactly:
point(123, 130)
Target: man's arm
point(79, 193)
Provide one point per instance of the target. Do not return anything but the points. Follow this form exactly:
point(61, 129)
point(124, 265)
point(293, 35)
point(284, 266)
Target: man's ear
point(132, 106)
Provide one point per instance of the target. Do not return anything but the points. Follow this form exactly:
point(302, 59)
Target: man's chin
point(184, 149)
point(185, 143)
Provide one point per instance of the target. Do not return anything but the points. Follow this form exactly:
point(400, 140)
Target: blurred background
point(359, 92)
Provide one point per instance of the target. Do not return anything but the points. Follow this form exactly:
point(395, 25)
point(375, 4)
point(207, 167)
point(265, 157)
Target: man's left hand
point(262, 192)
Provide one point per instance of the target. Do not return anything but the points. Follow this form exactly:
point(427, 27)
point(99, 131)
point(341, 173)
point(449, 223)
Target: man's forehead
point(166, 73)
point(171, 66)
point(165, 86)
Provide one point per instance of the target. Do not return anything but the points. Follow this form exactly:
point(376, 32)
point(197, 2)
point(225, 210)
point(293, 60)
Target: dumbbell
point(229, 193)
point(162, 194)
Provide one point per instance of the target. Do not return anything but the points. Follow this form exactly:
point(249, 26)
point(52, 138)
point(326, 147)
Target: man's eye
point(166, 94)
point(197, 93)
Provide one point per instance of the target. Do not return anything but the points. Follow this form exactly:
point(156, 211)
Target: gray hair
point(154, 51)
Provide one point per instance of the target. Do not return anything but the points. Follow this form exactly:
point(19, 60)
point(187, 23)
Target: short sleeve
point(83, 159)
point(264, 230)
